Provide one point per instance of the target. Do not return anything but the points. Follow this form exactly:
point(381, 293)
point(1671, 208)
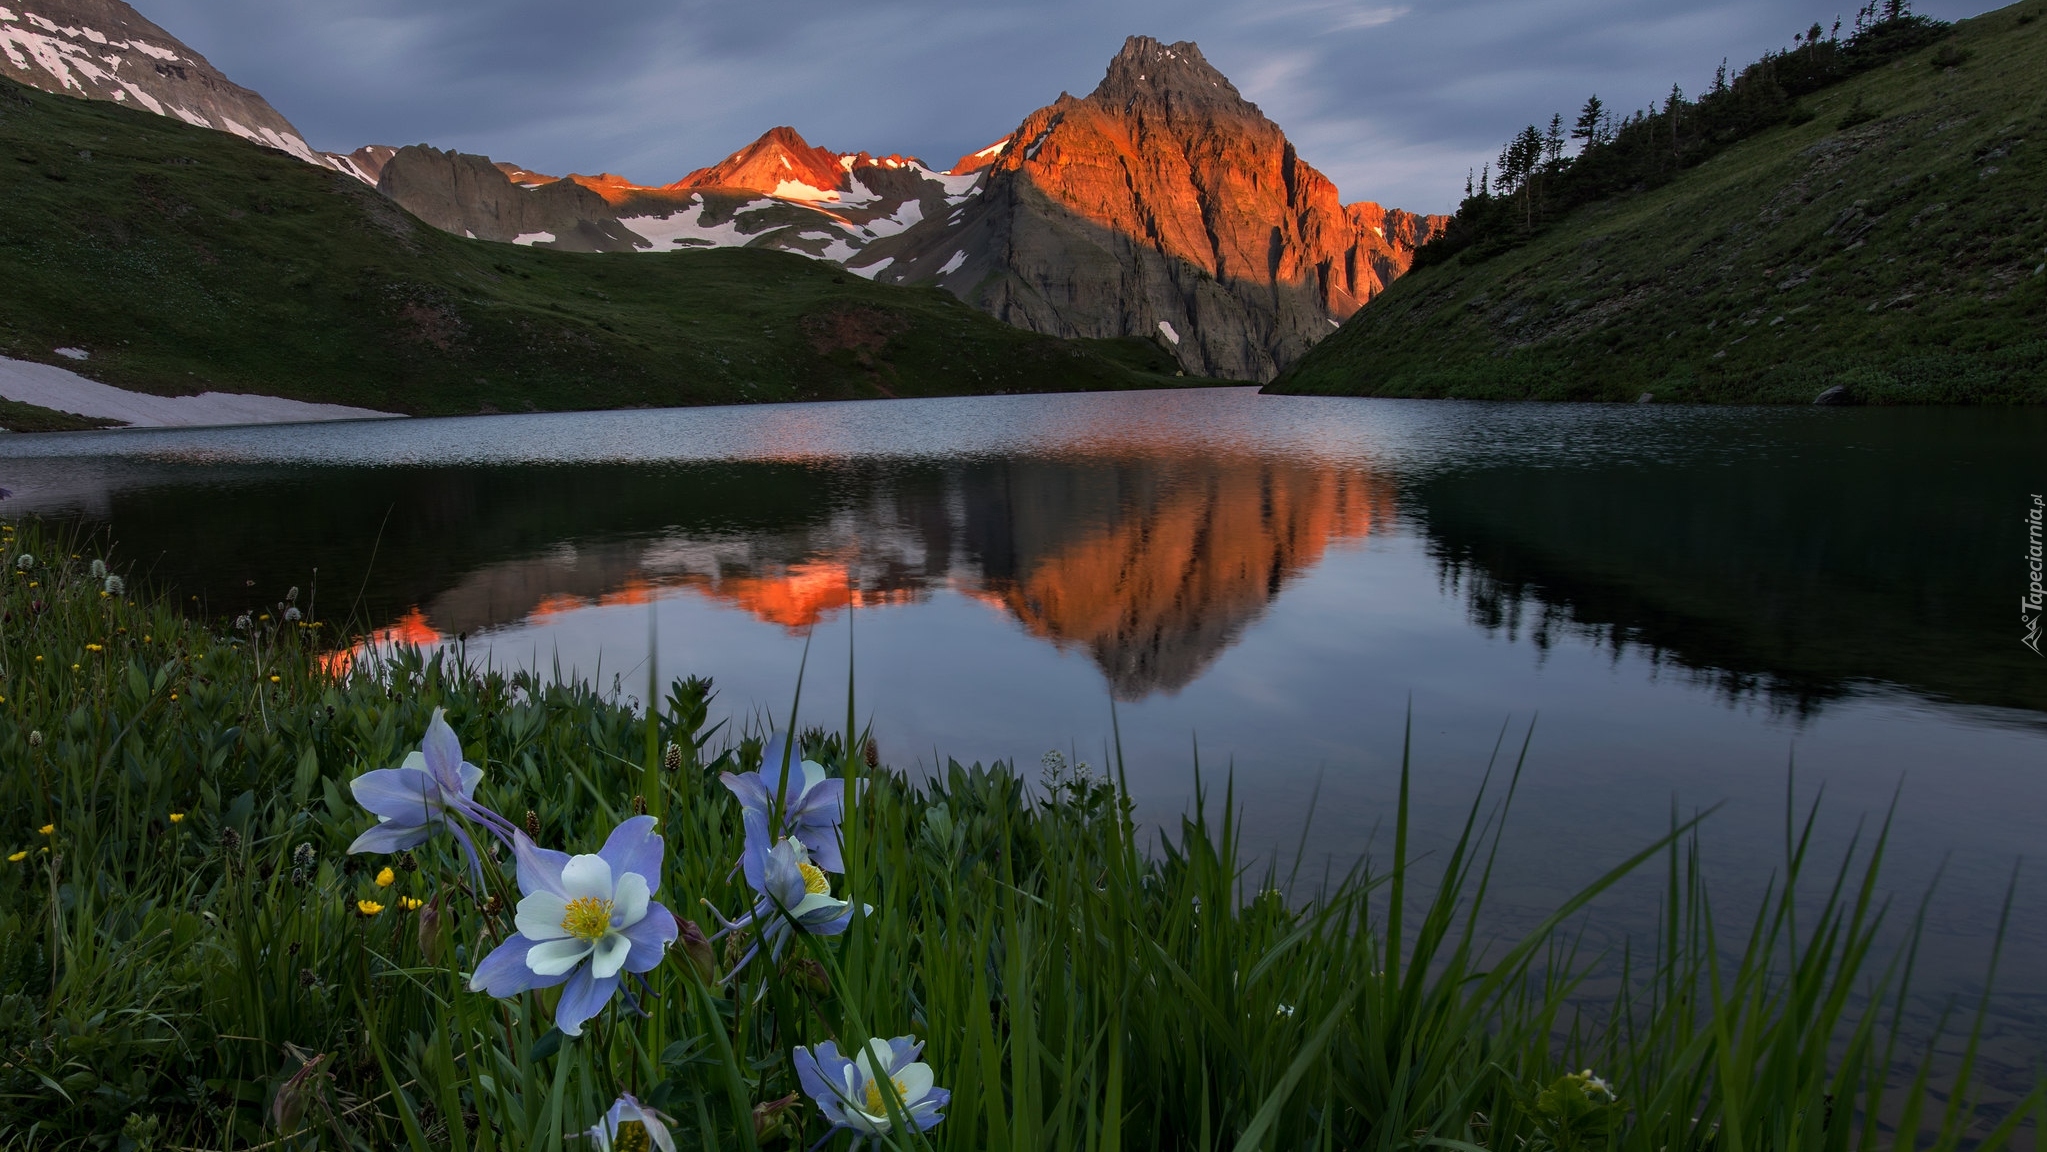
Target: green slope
point(1900, 258)
point(186, 260)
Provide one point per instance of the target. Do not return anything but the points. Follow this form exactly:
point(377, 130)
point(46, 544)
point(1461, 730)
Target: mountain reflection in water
point(1152, 564)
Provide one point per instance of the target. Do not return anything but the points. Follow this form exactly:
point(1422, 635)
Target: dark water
point(1686, 603)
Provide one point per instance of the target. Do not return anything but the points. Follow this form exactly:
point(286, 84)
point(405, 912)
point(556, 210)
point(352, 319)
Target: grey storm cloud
point(1395, 101)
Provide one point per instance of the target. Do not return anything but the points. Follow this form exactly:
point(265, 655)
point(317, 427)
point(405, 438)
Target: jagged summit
point(1177, 74)
point(781, 158)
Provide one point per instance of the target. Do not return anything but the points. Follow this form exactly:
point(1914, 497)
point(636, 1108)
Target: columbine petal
point(650, 939)
point(811, 1066)
point(406, 795)
point(751, 790)
point(505, 972)
point(443, 751)
point(391, 836)
point(540, 916)
point(634, 846)
point(915, 1082)
point(608, 955)
point(629, 904)
point(587, 876)
point(554, 957)
point(583, 997)
point(540, 869)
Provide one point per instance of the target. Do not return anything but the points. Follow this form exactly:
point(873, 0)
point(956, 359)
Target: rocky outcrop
point(105, 50)
point(470, 196)
point(1164, 205)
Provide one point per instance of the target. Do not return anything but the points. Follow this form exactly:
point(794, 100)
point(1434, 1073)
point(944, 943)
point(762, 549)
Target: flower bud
point(871, 753)
point(289, 1109)
point(532, 824)
point(25, 562)
point(407, 862)
point(671, 758)
point(433, 932)
point(116, 586)
point(639, 805)
point(694, 948)
point(773, 1118)
point(98, 568)
point(35, 738)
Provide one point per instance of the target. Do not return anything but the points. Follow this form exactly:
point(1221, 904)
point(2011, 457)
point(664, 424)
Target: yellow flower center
point(814, 879)
point(587, 918)
point(630, 1137)
point(876, 1104)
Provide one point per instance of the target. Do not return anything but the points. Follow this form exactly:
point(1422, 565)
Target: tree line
point(1544, 172)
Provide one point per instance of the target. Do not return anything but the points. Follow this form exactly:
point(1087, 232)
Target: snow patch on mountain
point(687, 229)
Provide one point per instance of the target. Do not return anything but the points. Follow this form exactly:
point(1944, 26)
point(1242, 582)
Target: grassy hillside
point(1891, 244)
point(186, 260)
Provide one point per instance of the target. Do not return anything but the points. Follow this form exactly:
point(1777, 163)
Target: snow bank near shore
point(47, 386)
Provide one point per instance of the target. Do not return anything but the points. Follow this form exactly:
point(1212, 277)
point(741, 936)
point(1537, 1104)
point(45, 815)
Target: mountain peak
point(1148, 70)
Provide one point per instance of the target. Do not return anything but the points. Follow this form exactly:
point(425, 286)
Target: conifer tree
point(1590, 125)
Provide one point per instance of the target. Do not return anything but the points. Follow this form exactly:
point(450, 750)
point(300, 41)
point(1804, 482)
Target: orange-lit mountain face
point(1152, 564)
point(1164, 205)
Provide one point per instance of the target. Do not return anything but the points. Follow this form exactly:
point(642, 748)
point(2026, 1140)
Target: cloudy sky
point(1394, 99)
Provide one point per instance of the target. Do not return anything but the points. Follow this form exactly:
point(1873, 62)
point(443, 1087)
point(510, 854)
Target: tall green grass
point(209, 983)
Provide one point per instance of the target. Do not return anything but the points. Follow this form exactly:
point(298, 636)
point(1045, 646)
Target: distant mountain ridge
point(1163, 205)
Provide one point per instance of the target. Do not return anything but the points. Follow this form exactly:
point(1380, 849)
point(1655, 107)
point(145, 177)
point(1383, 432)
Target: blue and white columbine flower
point(631, 1126)
point(583, 922)
point(416, 799)
point(813, 803)
point(850, 1094)
point(790, 893)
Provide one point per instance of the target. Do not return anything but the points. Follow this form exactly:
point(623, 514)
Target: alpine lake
point(1672, 610)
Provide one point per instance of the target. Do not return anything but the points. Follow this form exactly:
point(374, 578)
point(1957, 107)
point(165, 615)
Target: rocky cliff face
point(105, 50)
point(1166, 205)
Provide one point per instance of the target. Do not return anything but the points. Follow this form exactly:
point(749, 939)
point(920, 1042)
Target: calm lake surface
point(1687, 603)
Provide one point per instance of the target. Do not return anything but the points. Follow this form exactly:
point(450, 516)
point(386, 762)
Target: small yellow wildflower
point(94, 648)
point(264, 616)
point(39, 659)
point(277, 679)
point(75, 667)
point(410, 903)
point(177, 817)
point(18, 857)
point(368, 907)
point(48, 829)
point(386, 878)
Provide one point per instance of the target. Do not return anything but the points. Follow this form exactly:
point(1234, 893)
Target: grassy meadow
point(190, 959)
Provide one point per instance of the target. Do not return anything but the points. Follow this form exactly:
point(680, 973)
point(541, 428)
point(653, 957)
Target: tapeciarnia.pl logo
point(2031, 604)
